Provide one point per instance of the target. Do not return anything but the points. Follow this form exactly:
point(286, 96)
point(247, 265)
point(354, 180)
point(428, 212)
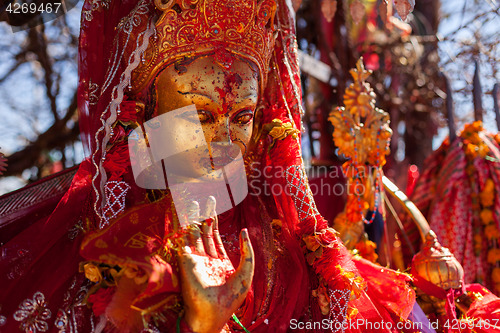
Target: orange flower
point(311, 243)
point(341, 219)
point(486, 216)
point(487, 198)
point(478, 239)
point(491, 232)
point(477, 126)
point(493, 256)
point(323, 299)
point(483, 150)
point(472, 128)
point(281, 130)
point(470, 150)
point(478, 242)
point(489, 185)
point(366, 249)
point(351, 281)
point(347, 137)
point(92, 272)
point(351, 312)
point(495, 275)
point(497, 138)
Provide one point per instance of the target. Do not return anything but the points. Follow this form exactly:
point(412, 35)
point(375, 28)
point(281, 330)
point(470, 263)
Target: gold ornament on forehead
point(361, 130)
point(188, 28)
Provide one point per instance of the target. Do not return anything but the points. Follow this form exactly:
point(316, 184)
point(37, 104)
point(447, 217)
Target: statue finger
point(218, 241)
point(241, 280)
point(209, 208)
point(247, 261)
point(207, 228)
point(185, 249)
point(196, 239)
point(193, 235)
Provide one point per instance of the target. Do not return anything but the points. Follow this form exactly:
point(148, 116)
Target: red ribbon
point(433, 290)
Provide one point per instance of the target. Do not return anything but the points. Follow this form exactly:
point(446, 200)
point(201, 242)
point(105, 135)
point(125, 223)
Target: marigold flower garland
point(483, 200)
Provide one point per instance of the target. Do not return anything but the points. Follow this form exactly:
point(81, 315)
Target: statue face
point(225, 100)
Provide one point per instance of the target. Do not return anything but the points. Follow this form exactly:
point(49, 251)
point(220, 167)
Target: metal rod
point(418, 217)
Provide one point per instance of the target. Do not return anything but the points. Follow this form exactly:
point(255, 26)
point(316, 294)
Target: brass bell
point(439, 266)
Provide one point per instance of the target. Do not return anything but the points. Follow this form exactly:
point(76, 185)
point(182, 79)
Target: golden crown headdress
point(187, 28)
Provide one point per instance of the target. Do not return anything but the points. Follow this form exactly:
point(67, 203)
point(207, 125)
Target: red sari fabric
point(43, 289)
point(483, 315)
point(41, 285)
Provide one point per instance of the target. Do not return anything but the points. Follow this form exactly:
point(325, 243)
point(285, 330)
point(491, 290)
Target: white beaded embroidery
point(115, 194)
point(33, 314)
point(339, 301)
point(302, 197)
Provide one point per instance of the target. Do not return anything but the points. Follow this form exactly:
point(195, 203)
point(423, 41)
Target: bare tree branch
point(58, 136)
point(38, 45)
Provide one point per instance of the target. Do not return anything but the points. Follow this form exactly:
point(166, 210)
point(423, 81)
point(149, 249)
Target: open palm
point(212, 289)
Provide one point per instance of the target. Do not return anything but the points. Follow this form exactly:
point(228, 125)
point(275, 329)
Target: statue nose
point(223, 132)
point(222, 144)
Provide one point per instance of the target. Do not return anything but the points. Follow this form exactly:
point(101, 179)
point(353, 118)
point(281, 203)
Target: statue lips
point(220, 162)
point(223, 154)
point(216, 163)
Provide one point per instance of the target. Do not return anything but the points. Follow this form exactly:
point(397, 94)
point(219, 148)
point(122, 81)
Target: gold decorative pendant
point(362, 131)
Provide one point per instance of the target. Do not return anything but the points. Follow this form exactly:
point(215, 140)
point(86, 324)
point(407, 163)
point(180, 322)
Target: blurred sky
point(456, 16)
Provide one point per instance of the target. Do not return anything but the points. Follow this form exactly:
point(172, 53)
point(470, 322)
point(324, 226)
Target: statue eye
point(244, 117)
point(204, 116)
point(200, 115)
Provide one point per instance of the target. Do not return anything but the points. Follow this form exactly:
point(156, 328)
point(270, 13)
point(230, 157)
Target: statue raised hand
point(212, 289)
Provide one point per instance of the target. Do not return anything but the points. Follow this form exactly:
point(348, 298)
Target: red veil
point(302, 269)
